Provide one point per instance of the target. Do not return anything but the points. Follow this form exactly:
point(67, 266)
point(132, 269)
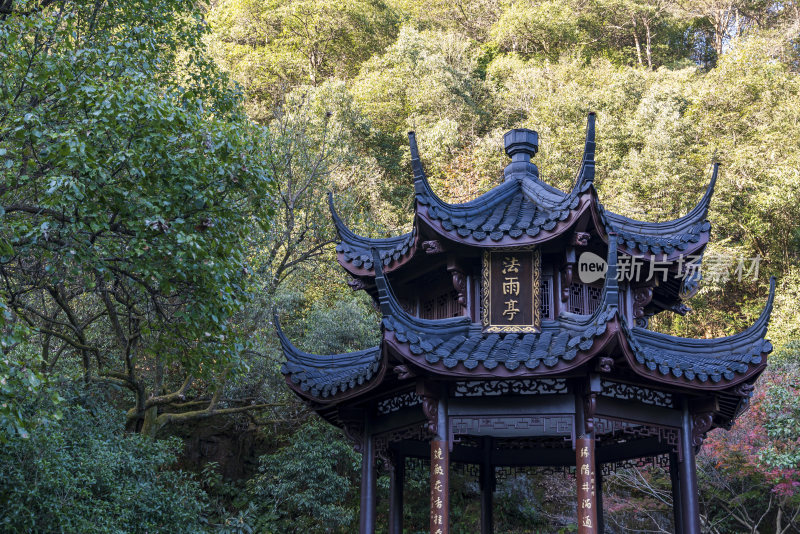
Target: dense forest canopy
point(165, 164)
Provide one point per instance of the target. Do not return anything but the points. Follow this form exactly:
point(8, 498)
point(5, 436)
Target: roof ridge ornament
point(611, 286)
point(586, 172)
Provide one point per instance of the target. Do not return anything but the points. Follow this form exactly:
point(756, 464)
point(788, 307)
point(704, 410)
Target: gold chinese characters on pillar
point(510, 286)
point(585, 477)
point(440, 486)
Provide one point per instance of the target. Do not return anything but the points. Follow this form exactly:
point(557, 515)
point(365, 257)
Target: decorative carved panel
point(524, 386)
point(607, 428)
point(398, 402)
point(532, 425)
point(661, 461)
point(619, 390)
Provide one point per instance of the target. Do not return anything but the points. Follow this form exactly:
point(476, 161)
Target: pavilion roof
point(456, 347)
point(523, 210)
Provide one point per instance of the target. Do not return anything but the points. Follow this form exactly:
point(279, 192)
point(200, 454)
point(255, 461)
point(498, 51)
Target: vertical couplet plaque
point(587, 491)
point(440, 487)
point(511, 290)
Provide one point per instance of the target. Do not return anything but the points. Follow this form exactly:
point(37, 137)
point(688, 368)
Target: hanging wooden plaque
point(511, 291)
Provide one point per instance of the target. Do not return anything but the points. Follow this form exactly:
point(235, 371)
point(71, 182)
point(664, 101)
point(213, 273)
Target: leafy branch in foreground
point(130, 179)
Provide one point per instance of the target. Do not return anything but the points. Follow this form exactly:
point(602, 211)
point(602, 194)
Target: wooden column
point(675, 478)
point(601, 520)
point(368, 493)
point(397, 481)
point(487, 487)
point(585, 460)
point(587, 492)
point(440, 472)
point(688, 474)
point(440, 487)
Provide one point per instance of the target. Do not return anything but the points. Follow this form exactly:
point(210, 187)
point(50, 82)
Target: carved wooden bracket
point(403, 372)
point(605, 364)
point(566, 282)
point(580, 239)
point(701, 424)
point(641, 298)
point(460, 285)
point(430, 407)
point(681, 308)
point(589, 411)
point(355, 433)
point(433, 246)
point(356, 284)
point(745, 390)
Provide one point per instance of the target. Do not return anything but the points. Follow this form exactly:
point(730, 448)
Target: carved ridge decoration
point(701, 424)
point(356, 284)
point(403, 372)
point(622, 391)
point(460, 285)
point(486, 290)
point(522, 386)
point(605, 364)
point(433, 246)
point(580, 239)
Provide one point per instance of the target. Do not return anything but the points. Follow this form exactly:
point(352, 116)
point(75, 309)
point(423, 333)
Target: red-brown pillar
point(440, 487)
point(587, 491)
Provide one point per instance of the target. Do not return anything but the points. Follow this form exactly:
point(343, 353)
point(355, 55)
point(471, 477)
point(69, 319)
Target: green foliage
point(272, 46)
point(83, 475)
point(19, 384)
point(303, 487)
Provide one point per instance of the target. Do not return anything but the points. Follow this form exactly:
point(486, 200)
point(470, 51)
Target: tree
point(130, 177)
point(273, 46)
point(306, 485)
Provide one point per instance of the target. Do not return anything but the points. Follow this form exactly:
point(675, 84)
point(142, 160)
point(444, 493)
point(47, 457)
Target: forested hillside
point(165, 164)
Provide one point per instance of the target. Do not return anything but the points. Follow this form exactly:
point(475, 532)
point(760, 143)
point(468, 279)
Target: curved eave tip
point(762, 323)
point(771, 298)
point(285, 343)
point(705, 202)
point(341, 229)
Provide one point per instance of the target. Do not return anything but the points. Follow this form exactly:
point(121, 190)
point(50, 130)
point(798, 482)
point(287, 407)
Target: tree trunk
point(647, 48)
point(149, 423)
point(636, 40)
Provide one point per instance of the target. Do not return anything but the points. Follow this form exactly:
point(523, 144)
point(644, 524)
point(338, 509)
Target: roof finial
point(521, 145)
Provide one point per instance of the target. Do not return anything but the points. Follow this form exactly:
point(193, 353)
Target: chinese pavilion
point(515, 333)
